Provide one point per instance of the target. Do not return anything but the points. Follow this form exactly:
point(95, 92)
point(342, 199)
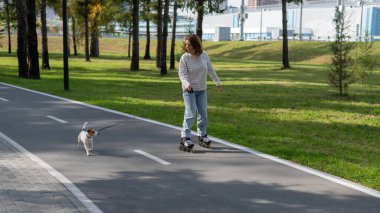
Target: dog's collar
point(88, 136)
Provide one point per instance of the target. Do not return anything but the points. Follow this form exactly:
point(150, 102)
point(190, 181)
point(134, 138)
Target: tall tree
point(86, 28)
point(364, 59)
point(95, 11)
point(80, 11)
point(33, 62)
point(203, 7)
point(129, 29)
point(164, 69)
point(21, 39)
point(45, 50)
point(94, 45)
point(340, 76)
point(10, 18)
point(123, 15)
point(74, 12)
point(159, 33)
point(285, 49)
point(74, 34)
point(135, 45)
point(147, 16)
point(174, 27)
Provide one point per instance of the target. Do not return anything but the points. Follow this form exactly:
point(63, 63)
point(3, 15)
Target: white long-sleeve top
point(193, 70)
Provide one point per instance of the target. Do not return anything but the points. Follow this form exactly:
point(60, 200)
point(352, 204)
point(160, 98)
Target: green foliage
point(364, 60)
point(210, 6)
point(340, 76)
point(179, 50)
point(12, 14)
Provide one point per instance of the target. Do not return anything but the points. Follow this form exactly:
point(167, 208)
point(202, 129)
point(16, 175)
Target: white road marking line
point(69, 185)
point(56, 119)
point(306, 169)
point(3, 99)
point(152, 157)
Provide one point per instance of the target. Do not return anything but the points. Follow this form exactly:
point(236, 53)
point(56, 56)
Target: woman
point(193, 69)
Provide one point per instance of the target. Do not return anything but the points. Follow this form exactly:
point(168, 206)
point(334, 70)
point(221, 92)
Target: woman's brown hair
point(195, 42)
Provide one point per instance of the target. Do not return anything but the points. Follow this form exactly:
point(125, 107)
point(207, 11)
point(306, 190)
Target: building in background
point(260, 3)
point(264, 21)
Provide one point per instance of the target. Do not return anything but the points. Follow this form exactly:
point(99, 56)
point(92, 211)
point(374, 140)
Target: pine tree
point(364, 60)
point(340, 76)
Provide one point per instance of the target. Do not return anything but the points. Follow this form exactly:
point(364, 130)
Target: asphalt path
point(137, 167)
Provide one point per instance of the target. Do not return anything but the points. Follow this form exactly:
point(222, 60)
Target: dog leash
point(111, 126)
point(189, 91)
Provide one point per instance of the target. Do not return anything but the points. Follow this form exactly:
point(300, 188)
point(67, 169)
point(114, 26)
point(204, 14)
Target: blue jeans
point(195, 102)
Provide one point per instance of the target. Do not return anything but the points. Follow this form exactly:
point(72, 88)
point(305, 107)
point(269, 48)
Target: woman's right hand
point(189, 88)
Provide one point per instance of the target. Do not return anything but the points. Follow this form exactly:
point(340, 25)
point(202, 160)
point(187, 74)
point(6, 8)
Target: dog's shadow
point(92, 152)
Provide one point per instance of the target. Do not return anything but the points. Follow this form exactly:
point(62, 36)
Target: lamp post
point(242, 21)
point(361, 4)
point(261, 23)
point(65, 47)
point(300, 31)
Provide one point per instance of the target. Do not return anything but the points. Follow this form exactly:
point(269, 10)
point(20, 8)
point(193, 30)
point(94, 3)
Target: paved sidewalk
point(27, 187)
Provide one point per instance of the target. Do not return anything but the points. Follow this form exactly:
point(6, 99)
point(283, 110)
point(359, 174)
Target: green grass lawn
point(293, 114)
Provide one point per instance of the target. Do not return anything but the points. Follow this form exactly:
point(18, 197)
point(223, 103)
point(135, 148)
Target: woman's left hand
point(219, 88)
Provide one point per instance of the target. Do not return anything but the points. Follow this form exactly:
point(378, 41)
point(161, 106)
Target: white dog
point(86, 137)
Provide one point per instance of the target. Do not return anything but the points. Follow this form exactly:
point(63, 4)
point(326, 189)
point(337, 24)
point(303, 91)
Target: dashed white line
point(3, 99)
point(152, 157)
point(56, 119)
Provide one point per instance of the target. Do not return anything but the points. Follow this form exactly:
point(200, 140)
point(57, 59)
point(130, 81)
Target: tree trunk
point(34, 68)
point(94, 45)
point(86, 39)
point(164, 69)
point(201, 11)
point(285, 53)
point(74, 31)
point(94, 37)
point(45, 51)
point(172, 47)
point(21, 39)
point(147, 46)
point(159, 33)
point(135, 45)
point(129, 40)
point(6, 2)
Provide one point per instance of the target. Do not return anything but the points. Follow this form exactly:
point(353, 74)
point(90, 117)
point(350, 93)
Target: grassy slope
point(292, 114)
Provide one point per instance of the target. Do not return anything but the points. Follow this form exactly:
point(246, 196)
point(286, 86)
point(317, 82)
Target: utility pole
point(300, 31)
point(242, 21)
point(65, 47)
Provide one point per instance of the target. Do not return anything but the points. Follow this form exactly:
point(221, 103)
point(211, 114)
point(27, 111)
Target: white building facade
point(316, 23)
